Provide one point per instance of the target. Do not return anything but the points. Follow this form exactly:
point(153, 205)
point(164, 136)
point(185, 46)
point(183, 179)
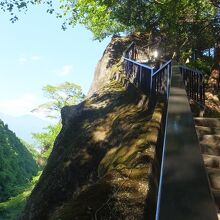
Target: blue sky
point(34, 52)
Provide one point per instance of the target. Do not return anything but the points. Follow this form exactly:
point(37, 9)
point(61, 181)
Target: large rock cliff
point(104, 161)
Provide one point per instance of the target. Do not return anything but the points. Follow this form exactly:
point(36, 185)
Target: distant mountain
point(24, 125)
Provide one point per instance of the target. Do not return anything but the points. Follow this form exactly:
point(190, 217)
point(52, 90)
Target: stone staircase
point(208, 131)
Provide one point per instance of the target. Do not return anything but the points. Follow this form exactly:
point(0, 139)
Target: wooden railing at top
point(194, 84)
point(151, 80)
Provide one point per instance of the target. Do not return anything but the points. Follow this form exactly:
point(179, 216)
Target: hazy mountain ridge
point(24, 125)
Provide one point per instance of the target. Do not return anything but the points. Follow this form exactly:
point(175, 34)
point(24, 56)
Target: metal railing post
point(141, 77)
point(168, 81)
point(151, 81)
point(194, 84)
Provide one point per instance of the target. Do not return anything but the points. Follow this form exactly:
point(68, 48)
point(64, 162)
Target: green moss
point(125, 171)
point(140, 135)
point(121, 195)
point(86, 204)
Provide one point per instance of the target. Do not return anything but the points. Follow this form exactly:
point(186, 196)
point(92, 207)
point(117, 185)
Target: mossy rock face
point(103, 162)
point(121, 194)
point(113, 54)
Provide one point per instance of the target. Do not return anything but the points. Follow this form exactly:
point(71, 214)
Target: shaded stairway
point(208, 131)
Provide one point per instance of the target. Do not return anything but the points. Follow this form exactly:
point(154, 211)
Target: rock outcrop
point(113, 54)
point(104, 161)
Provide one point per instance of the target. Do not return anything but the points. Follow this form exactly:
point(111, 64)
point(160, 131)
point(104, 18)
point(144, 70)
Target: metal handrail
point(140, 64)
point(161, 79)
point(194, 84)
point(191, 69)
point(150, 80)
point(164, 65)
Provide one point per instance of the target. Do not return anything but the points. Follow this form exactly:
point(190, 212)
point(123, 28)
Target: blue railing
point(131, 52)
point(194, 84)
point(151, 80)
point(161, 79)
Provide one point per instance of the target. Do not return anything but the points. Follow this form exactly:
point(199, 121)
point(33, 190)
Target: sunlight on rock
point(99, 105)
point(142, 187)
point(152, 138)
point(66, 164)
point(99, 135)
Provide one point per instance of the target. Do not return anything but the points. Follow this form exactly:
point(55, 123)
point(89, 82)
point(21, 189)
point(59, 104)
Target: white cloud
point(22, 59)
point(19, 106)
point(66, 70)
point(35, 58)
point(23, 105)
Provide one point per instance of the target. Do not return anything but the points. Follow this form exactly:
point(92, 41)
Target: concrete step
point(210, 149)
point(214, 178)
point(207, 122)
point(201, 131)
point(211, 161)
point(211, 140)
point(208, 131)
point(210, 144)
point(212, 164)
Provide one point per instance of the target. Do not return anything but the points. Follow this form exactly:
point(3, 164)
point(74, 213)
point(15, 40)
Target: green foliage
point(47, 138)
point(17, 165)
point(13, 7)
point(92, 14)
point(182, 25)
point(11, 208)
point(31, 149)
point(61, 95)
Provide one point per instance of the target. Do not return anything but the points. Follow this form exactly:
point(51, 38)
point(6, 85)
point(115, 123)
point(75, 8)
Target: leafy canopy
point(106, 17)
point(61, 95)
point(182, 25)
